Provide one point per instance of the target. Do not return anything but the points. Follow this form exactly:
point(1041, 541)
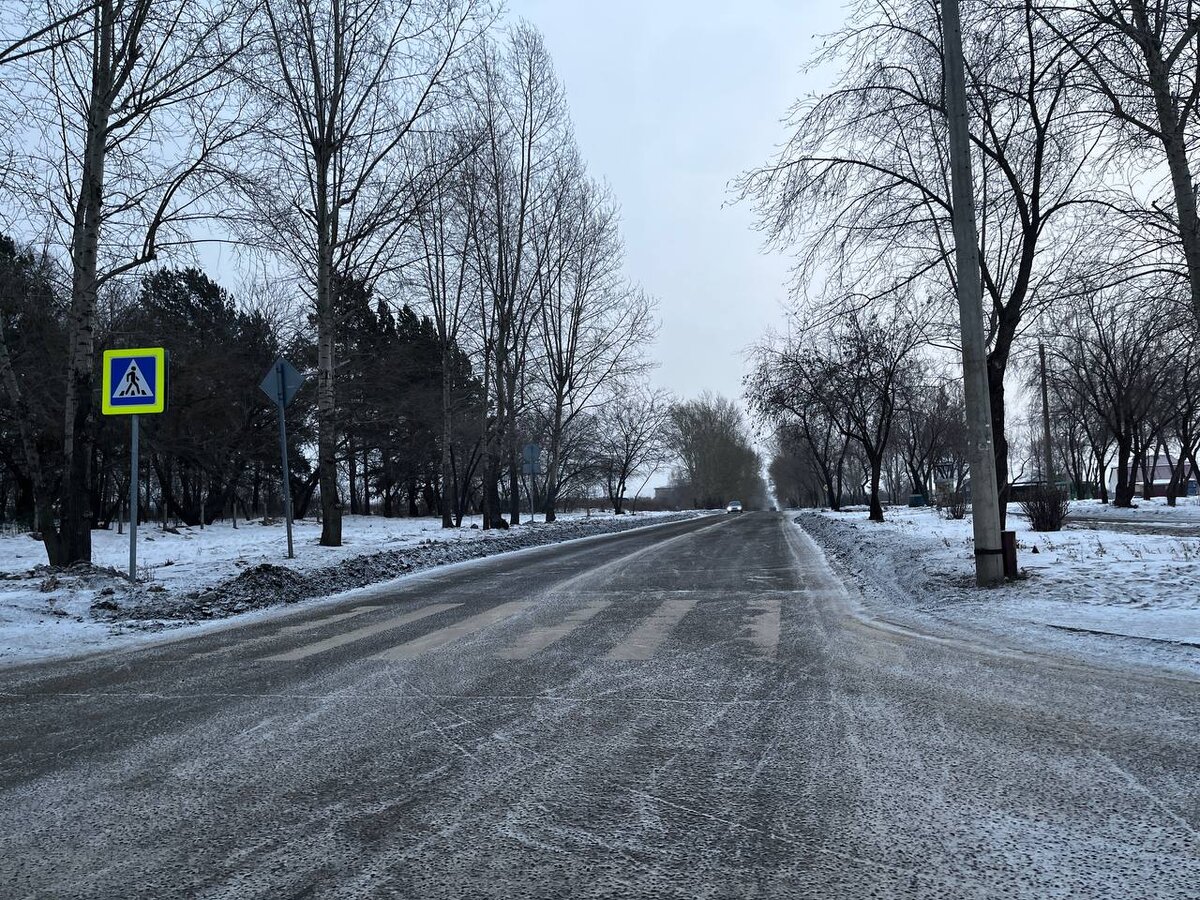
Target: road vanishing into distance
point(692, 710)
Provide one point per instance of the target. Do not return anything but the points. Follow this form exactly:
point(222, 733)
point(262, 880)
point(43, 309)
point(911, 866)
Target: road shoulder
point(907, 578)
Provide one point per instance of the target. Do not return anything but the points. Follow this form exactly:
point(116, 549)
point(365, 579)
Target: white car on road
point(734, 506)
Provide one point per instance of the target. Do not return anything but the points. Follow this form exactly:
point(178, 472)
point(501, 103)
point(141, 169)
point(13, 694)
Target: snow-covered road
point(698, 710)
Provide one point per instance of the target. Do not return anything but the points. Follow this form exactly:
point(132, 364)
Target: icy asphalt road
point(686, 711)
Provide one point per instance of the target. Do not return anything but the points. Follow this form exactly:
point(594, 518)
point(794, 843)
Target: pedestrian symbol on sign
point(134, 384)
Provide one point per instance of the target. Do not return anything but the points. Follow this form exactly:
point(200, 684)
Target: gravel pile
point(270, 585)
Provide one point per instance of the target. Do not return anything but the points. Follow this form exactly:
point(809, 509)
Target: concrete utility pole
point(1049, 448)
point(985, 498)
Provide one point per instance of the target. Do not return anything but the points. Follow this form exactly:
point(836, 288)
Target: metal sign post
point(287, 481)
point(281, 385)
point(530, 466)
point(133, 496)
point(134, 382)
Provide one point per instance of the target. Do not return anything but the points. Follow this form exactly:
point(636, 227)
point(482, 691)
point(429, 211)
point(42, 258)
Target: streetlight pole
point(985, 497)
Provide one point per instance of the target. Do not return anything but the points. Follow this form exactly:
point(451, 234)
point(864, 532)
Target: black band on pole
point(985, 552)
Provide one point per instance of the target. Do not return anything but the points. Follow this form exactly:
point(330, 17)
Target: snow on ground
point(1149, 513)
point(192, 574)
point(1091, 588)
point(197, 557)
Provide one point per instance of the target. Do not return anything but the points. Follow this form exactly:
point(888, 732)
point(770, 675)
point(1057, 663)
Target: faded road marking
point(435, 640)
point(541, 638)
point(358, 634)
point(643, 641)
point(289, 629)
point(309, 626)
point(765, 626)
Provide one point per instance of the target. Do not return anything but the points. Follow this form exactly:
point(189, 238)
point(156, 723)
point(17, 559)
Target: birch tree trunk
point(74, 541)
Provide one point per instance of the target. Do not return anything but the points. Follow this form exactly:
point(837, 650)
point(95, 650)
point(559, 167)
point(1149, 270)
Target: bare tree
point(634, 429)
point(591, 322)
point(45, 28)
point(23, 37)
point(445, 229)
point(717, 461)
point(1080, 441)
point(1187, 420)
point(1142, 59)
point(342, 85)
point(1117, 362)
point(857, 371)
point(870, 361)
point(785, 391)
point(932, 416)
point(519, 108)
point(796, 475)
point(865, 174)
point(130, 107)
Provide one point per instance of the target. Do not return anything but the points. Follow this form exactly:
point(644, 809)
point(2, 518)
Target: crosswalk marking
point(358, 634)
point(762, 631)
point(340, 617)
point(643, 641)
point(288, 629)
point(541, 638)
point(443, 636)
point(764, 627)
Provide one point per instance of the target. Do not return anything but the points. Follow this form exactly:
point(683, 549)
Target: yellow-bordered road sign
point(134, 381)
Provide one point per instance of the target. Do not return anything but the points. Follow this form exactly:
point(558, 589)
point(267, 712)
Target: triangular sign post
point(281, 384)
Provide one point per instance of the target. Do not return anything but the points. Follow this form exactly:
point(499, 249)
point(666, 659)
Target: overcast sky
point(671, 100)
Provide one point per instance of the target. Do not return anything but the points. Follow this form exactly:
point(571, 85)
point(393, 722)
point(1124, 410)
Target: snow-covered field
point(1150, 513)
point(46, 613)
point(1093, 587)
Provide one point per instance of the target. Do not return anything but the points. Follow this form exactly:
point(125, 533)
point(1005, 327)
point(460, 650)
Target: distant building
point(672, 496)
point(1160, 478)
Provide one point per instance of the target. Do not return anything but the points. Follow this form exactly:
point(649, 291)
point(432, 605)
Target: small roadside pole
point(1048, 446)
point(134, 383)
point(281, 384)
point(530, 457)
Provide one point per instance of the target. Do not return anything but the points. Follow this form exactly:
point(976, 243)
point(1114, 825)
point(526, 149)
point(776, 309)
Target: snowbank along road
point(686, 711)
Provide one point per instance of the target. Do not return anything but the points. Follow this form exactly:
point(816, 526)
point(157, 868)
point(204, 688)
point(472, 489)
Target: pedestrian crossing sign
point(134, 381)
